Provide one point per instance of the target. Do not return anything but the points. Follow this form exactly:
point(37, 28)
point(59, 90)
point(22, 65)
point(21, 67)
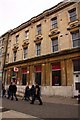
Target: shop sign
point(15, 69)
point(56, 67)
point(24, 71)
point(38, 68)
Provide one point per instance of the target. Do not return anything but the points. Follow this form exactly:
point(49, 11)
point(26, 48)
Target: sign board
point(15, 69)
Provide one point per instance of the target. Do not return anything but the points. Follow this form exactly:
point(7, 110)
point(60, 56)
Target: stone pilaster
point(31, 75)
point(43, 82)
point(28, 75)
point(63, 73)
point(69, 70)
point(48, 72)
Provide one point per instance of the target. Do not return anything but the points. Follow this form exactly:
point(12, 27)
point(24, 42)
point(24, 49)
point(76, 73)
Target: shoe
point(40, 103)
point(31, 103)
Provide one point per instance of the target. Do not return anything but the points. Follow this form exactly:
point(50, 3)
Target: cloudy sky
point(15, 12)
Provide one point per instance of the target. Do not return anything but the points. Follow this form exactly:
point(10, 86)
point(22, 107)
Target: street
point(45, 111)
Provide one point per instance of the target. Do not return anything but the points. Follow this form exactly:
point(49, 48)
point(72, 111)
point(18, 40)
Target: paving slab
point(15, 114)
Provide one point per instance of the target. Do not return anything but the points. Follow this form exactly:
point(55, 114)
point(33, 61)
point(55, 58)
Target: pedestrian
point(14, 90)
point(37, 95)
point(27, 93)
point(3, 91)
point(32, 92)
point(10, 90)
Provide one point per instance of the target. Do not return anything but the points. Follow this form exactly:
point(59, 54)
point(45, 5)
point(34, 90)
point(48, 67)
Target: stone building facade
point(46, 50)
point(3, 51)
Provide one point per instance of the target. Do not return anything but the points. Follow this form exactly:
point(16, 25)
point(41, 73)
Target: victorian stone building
point(46, 50)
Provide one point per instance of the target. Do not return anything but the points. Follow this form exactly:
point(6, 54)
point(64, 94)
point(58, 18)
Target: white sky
point(15, 12)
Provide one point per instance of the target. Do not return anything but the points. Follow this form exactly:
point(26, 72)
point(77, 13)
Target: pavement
point(60, 100)
point(47, 99)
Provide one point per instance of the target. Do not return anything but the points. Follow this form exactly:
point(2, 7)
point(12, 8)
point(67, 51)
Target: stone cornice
point(45, 13)
point(56, 54)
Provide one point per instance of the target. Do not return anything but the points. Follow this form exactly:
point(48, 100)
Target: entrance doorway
point(76, 82)
point(76, 76)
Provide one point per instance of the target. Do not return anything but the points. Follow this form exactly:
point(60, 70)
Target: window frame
point(38, 49)
point(15, 55)
point(54, 45)
point(25, 51)
point(17, 38)
point(77, 38)
point(39, 29)
point(27, 34)
point(54, 23)
point(72, 15)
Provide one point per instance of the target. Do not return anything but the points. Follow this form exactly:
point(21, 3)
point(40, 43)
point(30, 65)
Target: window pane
point(56, 48)
point(54, 22)
point(27, 34)
point(17, 38)
point(54, 44)
point(14, 56)
point(72, 14)
point(75, 43)
point(25, 52)
point(39, 29)
point(38, 49)
point(56, 78)
point(73, 18)
point(38, 78)
point(76, 64)
point(24, 79)
point(76, 39)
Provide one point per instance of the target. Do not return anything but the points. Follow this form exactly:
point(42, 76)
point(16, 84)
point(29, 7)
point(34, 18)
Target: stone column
point(31, 75)
point(43, 73)
point(69, 70)
point(48, 73)
point(28, 75)
point(63, 73)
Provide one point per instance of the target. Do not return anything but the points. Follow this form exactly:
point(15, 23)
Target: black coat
point(14, 88)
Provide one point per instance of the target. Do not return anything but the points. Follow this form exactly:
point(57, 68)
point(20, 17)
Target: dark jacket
point(37, 90)
point(14, 88)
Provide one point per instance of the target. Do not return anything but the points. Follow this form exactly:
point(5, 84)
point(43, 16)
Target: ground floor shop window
point(38, 75)
point(38, 78)
point(24, 79)
point(13, 77)
point(76, 64)
point(56, 78)
point(24, 76)
point(56, 74)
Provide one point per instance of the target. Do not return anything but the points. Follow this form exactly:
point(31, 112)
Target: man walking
point(10, 90)
point(37, 95)
point(14, 90)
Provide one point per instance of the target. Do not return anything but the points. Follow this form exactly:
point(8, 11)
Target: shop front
point(76, 76)
point(56, 74)
point(24, 76)
point(38, 74)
